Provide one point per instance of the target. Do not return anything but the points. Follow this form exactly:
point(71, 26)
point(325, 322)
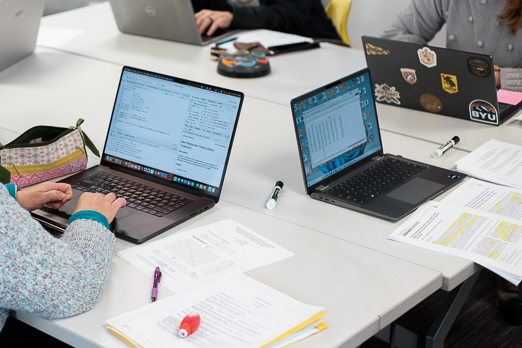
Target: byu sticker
point(386, 93)
point(409, 75)
point(427, 57)
point(482, 111)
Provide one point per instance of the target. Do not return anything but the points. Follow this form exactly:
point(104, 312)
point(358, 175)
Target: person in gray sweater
point(479, 26)
point(47, 276)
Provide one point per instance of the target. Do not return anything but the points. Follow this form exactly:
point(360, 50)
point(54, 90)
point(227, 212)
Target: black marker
point(226, 41)
point(271, 203)
point(292, 47)
point(440, 151)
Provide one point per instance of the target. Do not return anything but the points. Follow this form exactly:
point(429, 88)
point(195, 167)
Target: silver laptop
point(342, 156)
point(19, 23)
point(166, 153)
point(162, 19)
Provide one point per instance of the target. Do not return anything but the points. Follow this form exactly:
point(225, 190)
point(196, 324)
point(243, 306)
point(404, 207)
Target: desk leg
point(448, 313)
point(393, 327)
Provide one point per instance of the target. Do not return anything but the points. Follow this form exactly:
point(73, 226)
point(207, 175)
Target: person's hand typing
point(107, 205)
point(213, 20)
point(51, 194)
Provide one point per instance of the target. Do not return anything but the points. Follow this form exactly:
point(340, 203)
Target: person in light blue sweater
point(46, 276)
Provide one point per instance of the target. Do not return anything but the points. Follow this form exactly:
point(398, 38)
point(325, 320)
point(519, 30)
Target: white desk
point(439, 129)
point(56, 88)
point(292, 74)
point(273, 151)
point(260, 156)
point(347, 279)
point(260, 159)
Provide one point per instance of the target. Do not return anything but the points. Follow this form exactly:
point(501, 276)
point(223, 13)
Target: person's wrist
point(17, 191)
point(90, 215)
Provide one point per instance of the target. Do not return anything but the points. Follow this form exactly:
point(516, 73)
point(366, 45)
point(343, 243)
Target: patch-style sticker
point(386, 93)
point(372, 50)
point(449, 83)
point(427, 57)
point(430, 102)
point(479, 67)
point(409, 75)
point(482, 111)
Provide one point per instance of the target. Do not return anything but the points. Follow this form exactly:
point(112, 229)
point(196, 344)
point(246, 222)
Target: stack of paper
point(494, 161)
point(479, 221)
point(235, 311)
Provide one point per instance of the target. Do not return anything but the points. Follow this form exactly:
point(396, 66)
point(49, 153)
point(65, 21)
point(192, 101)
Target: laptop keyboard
point(502, 107)
point(386, 174)
point(139, 196)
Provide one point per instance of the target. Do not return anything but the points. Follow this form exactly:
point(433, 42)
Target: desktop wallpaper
point(337, 127)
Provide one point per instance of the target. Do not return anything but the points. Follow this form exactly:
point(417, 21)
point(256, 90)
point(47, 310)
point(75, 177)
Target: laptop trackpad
point(70, 207)
point(415, 191)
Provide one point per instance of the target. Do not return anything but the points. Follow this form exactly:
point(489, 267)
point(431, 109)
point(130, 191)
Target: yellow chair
point(337, 11)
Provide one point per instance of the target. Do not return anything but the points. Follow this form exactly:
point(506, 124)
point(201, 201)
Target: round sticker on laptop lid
point(479, 67)
point(430, 102)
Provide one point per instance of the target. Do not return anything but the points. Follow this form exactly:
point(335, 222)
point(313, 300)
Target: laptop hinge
point(322, 188)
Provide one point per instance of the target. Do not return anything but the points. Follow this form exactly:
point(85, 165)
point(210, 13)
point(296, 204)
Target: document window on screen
point(177, 128)
point(330, 132)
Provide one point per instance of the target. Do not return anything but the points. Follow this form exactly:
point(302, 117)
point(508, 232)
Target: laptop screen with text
point(337, 127)
point(172, 129)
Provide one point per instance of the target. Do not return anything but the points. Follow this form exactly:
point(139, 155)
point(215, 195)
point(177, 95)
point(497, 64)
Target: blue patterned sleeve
point(50, 277)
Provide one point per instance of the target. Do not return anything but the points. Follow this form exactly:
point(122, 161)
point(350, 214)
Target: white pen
point(440, 151)
point(271, 203)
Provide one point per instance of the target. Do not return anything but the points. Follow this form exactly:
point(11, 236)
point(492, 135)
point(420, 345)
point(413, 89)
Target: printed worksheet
point(190, 258)
point(485, 196)
point(490, 240)
point(235, 310)
point(495, 161)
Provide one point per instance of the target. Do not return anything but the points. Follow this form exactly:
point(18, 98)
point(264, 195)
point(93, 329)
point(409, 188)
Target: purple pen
point(157, 279)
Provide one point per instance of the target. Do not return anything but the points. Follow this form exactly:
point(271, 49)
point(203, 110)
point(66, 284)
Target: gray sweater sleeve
point(45, 276)
point(511, 79)
point(418, 22)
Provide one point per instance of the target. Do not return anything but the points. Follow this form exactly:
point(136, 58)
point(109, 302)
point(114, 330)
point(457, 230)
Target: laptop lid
point(337, 129)
point(172, 131)
point(167, 20)
point(19, 23)
point(434, 79)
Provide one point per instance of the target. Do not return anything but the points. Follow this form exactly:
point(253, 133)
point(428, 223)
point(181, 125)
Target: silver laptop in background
point(162, 19)
point(19, 23)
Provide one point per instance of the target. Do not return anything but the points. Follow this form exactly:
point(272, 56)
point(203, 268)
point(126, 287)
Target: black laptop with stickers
point(342, 156)
point(434, 79)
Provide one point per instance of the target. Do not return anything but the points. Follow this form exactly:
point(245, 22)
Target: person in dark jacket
point(300, 17)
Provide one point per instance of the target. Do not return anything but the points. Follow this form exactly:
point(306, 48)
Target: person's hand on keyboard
point(48, 193)
point(107, 205)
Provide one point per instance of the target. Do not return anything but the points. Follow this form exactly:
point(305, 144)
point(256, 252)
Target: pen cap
point(437, 153)
point(280, 184)
point(189, 324)
point(455, 139)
